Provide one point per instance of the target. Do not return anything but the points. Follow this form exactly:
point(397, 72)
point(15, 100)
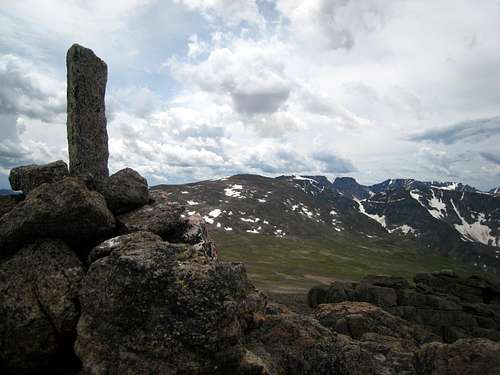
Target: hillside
point(395, 227)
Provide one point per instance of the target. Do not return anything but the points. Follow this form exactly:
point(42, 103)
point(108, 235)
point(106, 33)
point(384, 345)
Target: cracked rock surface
point(39, 308)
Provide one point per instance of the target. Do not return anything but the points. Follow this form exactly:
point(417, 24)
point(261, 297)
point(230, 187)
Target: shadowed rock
point(8, 202)
point(125, 190)
point(145, 311)
point(470, 356)
point(38, 304)
point(86, 123)
point(28, 177)
point(64, 209)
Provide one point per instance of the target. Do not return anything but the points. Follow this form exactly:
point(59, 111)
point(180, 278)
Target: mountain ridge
point(451, 218)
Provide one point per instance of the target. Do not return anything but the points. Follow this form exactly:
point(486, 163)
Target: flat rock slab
point(28, 177)
point(86, 122)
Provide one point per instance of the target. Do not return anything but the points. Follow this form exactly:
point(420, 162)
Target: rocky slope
point(448, 218)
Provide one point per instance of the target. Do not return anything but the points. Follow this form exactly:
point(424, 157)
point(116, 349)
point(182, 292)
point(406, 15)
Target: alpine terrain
point(449, 220)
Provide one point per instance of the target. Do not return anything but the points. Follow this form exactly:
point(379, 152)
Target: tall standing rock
point(86, 123)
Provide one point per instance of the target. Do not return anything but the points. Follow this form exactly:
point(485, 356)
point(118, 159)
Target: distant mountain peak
point(495, 190)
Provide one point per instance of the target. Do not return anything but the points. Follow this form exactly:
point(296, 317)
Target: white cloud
point(230, 12)
point(320, 86)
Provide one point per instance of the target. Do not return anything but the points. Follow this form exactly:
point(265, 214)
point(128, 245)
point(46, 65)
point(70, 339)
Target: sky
point(202, 89)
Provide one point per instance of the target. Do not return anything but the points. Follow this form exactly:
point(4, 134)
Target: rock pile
point(441, 302)
point(100, 276)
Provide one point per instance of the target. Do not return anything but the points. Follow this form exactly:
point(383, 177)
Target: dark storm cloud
point(466, 130)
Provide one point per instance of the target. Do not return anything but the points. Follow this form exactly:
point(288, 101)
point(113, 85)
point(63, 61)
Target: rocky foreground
point(98, 275)
point(86, 289)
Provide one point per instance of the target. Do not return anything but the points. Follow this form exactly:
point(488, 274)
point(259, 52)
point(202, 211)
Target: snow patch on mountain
point(234, 191)
point(475, 231)
point(377, 218)
point(215, 213)
point(405, 229)
point(208, 219)
point(437, 206)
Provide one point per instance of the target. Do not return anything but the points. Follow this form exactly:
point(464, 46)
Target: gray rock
point(387, 281)
point(64, 209)
point(145, 311)
point(361, 318)
point(28, 177)
point(87, 134)
point(378, 295)
point(125, 191)
point(289, 343)
point(38, 304)
point(464, 357)
point(8, 202)
point(160, 217)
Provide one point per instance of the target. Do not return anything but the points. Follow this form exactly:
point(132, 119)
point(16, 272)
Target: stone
point(316, 296)
point(64, 209)
point(125, 191)
point(146, 311)
point(470, 356)
point(168, 221)
point(8, 202)
point(387, 281)
point(289, 343)
point(38, 305)
point(160, 217)
point(88, 151)
point(357, 319)
point(27, 177)
point(378, 295)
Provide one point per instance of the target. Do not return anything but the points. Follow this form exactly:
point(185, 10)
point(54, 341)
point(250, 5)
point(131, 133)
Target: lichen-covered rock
point(160, 217)
point(8, 202)
point(38, 304)
point(64, 209)
point(88, 151)
point(472, 356)
point(289, 343)
point(169, 221)
point(386, 281)
point(28, 177)
point(357, 319)
point(144, 310)
point(125, 190)
point(442, 302)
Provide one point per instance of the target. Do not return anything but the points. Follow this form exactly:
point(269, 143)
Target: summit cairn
point(86, 123)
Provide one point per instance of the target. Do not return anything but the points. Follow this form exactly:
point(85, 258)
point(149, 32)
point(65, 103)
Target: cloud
point(275, 159)
point(333, 24)
point(230, 12)
point(28, 91)
point(250, 75)
point(463, 131)
point(332, 163)
point(492, 157)
point(139, 101)
point(438, 162)
point(307, 86)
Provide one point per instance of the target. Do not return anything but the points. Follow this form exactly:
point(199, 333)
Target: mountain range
point(445, 218)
